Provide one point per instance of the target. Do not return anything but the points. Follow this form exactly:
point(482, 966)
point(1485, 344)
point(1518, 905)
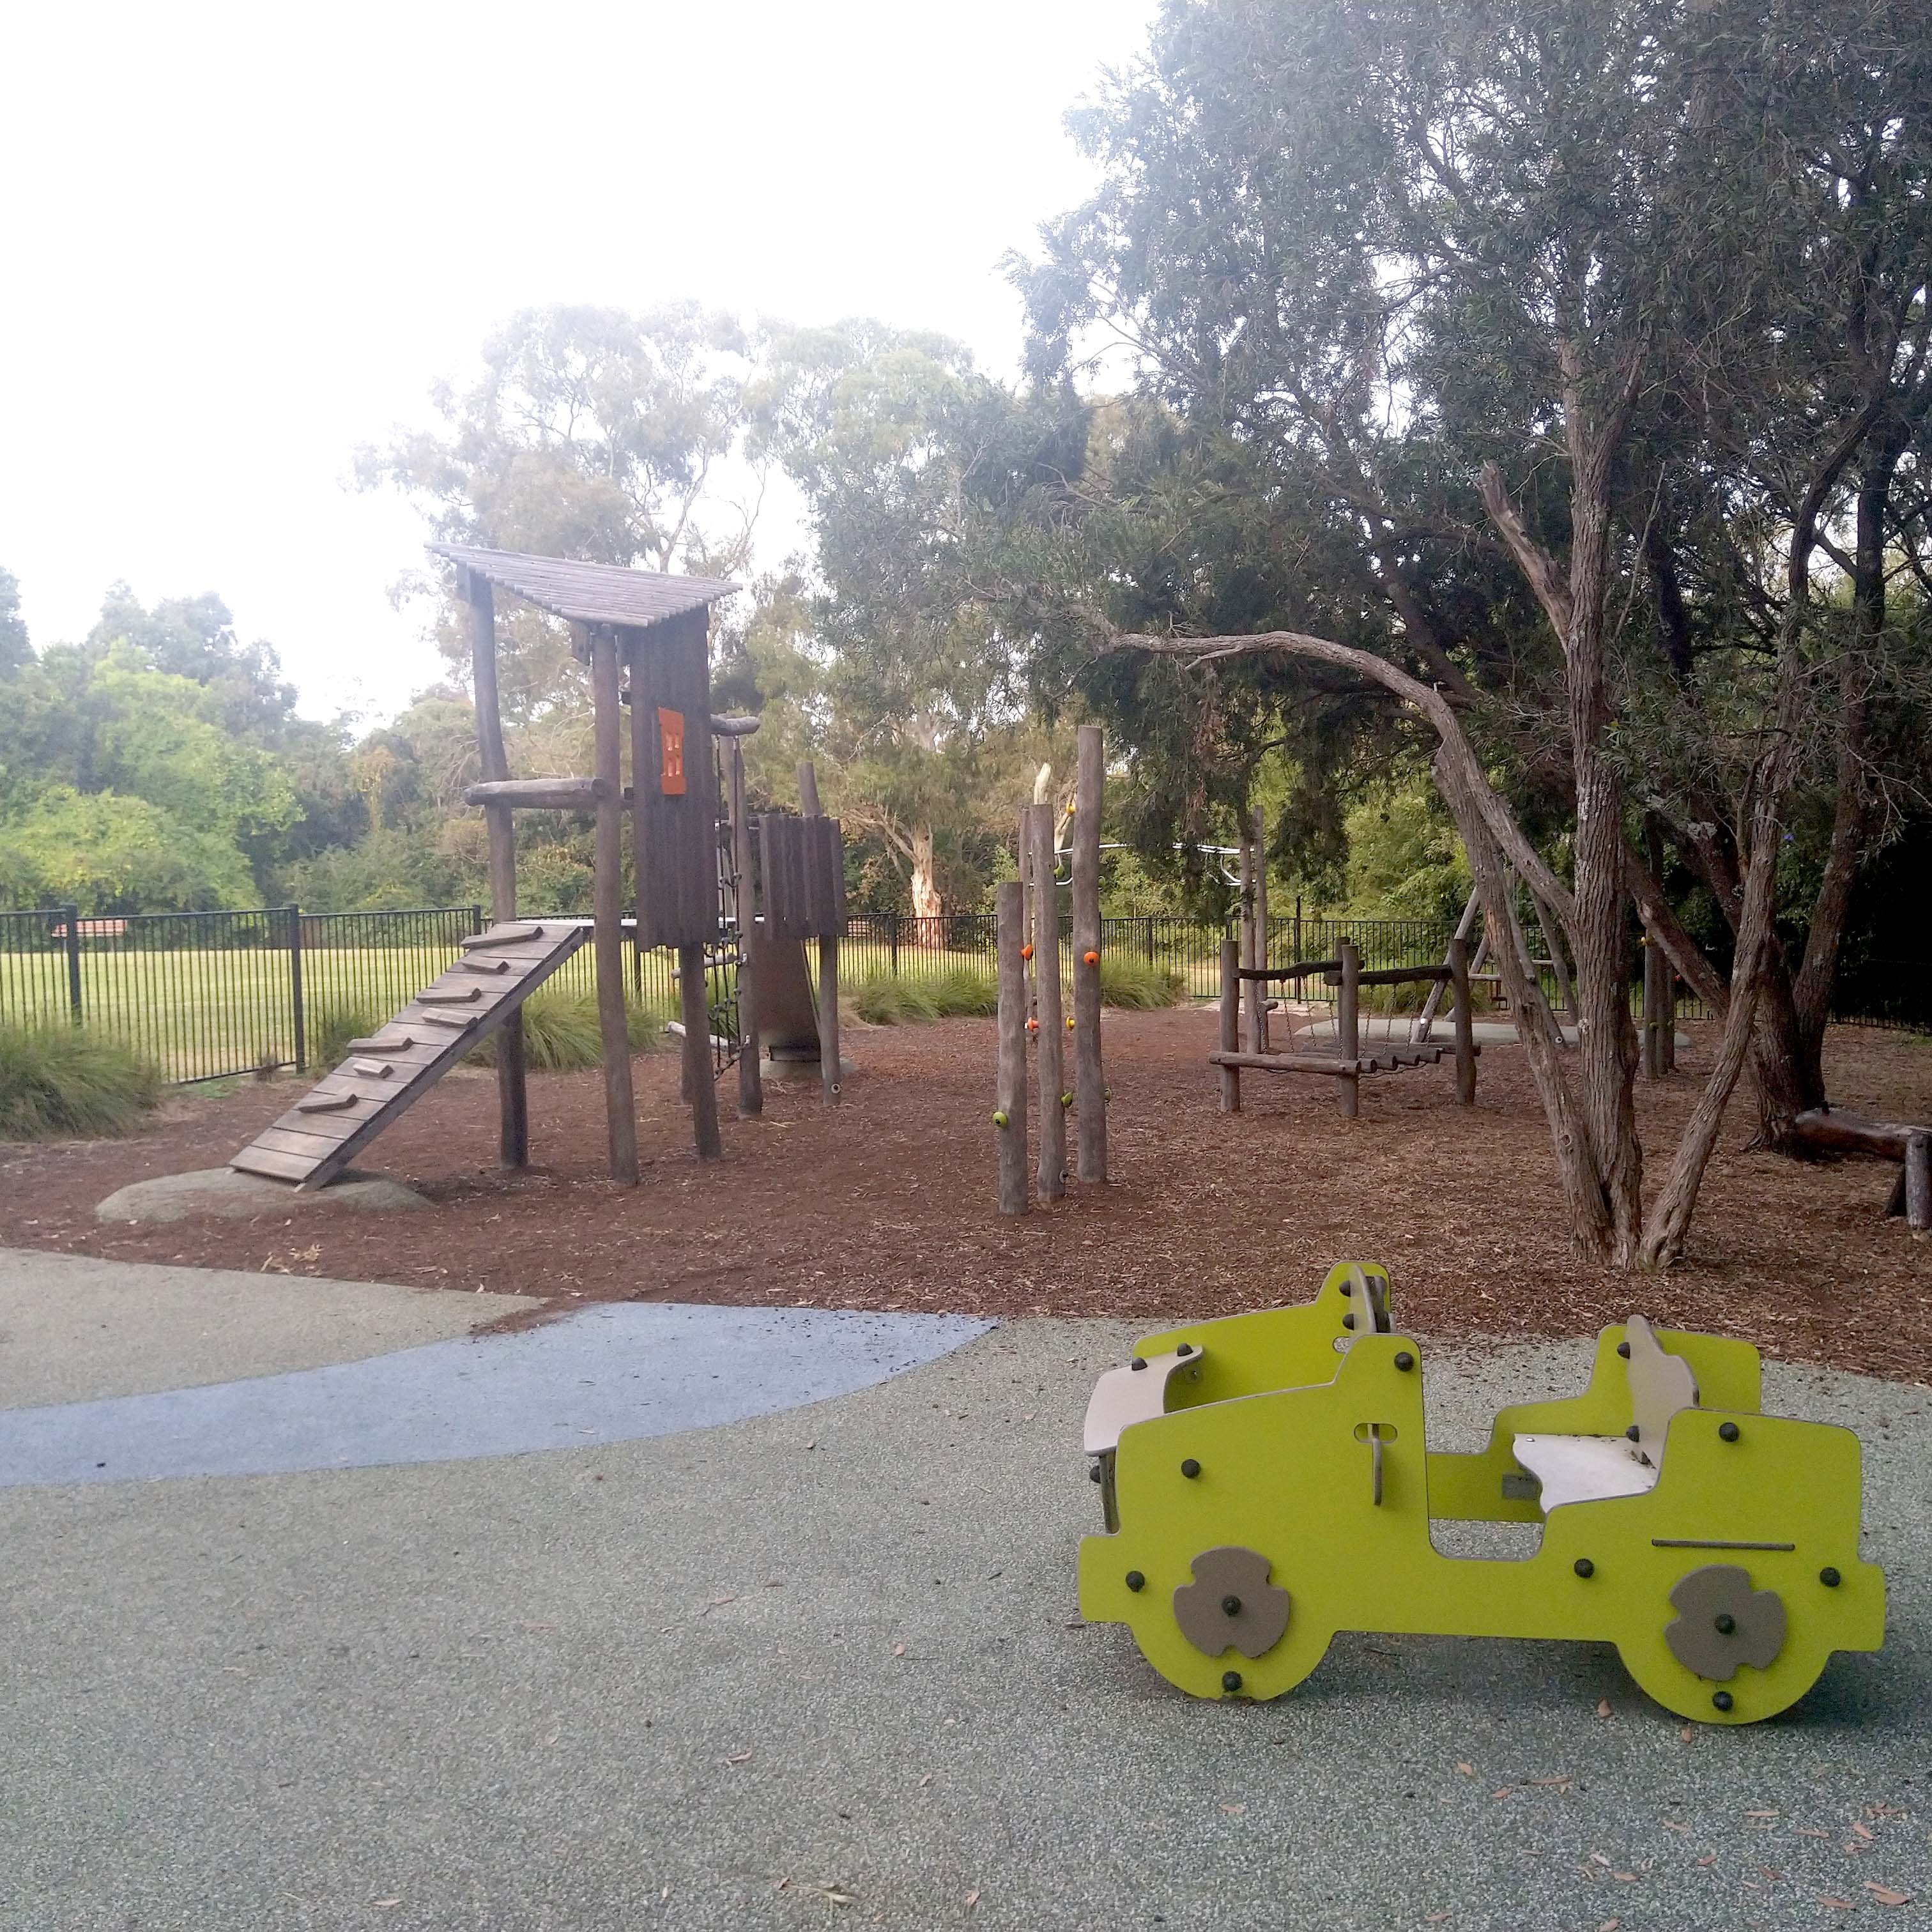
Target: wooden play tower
point(646, 638)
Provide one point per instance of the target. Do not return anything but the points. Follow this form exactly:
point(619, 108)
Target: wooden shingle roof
point(590, 593)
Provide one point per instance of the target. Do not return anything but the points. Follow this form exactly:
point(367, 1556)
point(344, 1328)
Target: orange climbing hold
point(1091, 958)
point(1026, 952)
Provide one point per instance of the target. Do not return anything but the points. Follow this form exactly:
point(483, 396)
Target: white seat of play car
point(1589, 1468)
point(1136, 1393)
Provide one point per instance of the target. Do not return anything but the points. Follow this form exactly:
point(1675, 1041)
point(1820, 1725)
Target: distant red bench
point(93, 928)
point(1882, 1140)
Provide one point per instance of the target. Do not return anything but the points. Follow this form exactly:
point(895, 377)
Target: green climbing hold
point(1067, 1100)
point(1000, 1119)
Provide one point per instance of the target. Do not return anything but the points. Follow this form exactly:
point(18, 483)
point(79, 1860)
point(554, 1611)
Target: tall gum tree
point(1833, 265)
point(1346, 230)
point(899, 446)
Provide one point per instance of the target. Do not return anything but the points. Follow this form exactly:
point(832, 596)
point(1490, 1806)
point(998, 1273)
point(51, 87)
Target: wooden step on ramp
point(388, 1073)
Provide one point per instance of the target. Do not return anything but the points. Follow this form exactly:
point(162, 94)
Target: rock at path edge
point(223, 1193)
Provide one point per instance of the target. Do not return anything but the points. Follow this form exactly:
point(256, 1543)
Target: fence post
point(1148, 922)
point(294, 913)
point(70, 919)
point(892, 933)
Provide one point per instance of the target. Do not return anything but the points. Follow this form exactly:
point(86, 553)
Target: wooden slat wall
point(676, 838)
point(804, 861)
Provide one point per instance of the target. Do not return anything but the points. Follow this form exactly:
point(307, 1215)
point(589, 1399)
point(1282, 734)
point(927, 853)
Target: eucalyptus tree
point(16, 647)
point(592, 434)
point(909, 461)
point(1832, 114)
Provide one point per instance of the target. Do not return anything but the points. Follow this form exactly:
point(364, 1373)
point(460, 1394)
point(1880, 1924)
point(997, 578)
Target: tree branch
point(1536, 563)
point(1426, 698)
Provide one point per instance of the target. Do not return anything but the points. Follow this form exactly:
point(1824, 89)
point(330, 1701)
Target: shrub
point(1126, 982)
point(562, 1033)
point(57, 1080)
point(965, 992)
point(886, 999)
point(332, 1027)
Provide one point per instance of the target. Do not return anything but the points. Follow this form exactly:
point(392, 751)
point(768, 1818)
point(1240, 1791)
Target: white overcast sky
point(235, 243)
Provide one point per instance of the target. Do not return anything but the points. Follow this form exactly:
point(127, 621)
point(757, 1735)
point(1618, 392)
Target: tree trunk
point(1787, 1080)
point(1583, 1195)
point(1789, 1075)
point(925, 901)
point(1605, 1039)
point(1817, 972)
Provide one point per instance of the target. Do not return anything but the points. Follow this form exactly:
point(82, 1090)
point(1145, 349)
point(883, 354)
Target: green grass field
point(201, 1014)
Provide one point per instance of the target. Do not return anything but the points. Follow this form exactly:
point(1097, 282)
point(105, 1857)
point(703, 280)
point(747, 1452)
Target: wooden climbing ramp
point(388, 1073)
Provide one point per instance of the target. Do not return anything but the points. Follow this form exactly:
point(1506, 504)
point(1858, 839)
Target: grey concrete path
point(825, 1667)
point(73, 1328)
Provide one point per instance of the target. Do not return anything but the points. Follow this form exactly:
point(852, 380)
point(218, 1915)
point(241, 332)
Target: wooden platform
point(386, 1074)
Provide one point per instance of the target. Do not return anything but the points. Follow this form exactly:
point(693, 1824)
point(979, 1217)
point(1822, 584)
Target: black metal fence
point(210, 995)
point(906, 947)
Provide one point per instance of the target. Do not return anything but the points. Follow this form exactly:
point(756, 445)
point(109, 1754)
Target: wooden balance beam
point(1911, 1146)
point(1385, 1059)
point(1349, 1062)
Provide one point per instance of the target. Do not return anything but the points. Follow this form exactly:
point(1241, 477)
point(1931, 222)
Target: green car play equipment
point(1265, 1484)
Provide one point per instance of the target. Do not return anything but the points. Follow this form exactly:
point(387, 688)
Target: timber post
point(828, 1015)
point(828, 960)
point(607, 905)
point(1258, 845)
point(1009, 1114)
point(750, 1075)
point(1349, 1024)
point(1090, 1089)
point(1251, 992)
point(512, 1096)
point(694, 994)
point(1231, 1024)
point(1025, 873)
point(1051, 1039)
point(1431, 1004)
point(1465, 1021)
point(1917, 1182)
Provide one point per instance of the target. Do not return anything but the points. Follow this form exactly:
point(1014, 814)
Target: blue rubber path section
point(604, 1374)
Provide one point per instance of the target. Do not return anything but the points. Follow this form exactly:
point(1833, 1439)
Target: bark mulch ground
point(886, 1201)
